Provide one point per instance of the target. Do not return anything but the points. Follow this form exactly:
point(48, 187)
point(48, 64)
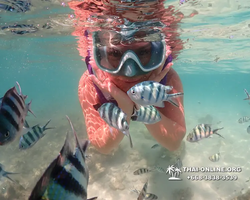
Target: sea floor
point(111, 176)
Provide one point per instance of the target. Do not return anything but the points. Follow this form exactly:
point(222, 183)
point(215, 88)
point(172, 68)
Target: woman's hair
point(91, 12)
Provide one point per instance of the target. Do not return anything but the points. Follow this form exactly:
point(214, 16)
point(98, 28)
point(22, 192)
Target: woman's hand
point(123, 100)
point(159, 74)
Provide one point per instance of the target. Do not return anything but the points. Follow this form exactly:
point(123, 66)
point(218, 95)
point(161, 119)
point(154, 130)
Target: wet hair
point(167, 16)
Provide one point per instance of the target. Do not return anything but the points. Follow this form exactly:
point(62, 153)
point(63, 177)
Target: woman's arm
point(97, 129)
point(170, 131)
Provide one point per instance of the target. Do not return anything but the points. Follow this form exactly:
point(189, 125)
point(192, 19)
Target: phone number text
point(212, 178)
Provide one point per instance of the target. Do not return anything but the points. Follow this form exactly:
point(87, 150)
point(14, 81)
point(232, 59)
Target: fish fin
point(29, 108)
point(26, 125)
point(97, 106)
point(93, 198)
point(129, 137)
point(85, 144)
point(215, 132)
point(45, 126)
point(143, 191)
point(20, 90)
point(6, 176)
point(160, 104)
point(173, 102)
point(248, 96)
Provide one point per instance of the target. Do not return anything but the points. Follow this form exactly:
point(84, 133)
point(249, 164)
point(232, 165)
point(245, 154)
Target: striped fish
point(5, 174)
point(67, 176)
point(13, 111)
point(243, 119)
point(215, 157)
point(152, 93)
point(146, 114)
point(143, 192)
point(148, 196)
point(142, 171)
point(114, 117)
point(248, 96)
point(202, 131)
point(32, 135)
point(20, 29)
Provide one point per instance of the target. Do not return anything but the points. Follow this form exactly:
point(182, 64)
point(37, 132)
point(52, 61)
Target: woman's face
point(115, 49)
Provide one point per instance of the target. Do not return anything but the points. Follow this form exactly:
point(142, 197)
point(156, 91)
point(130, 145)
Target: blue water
point(48, 67)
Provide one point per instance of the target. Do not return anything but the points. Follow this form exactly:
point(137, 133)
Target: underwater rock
point(183, 194)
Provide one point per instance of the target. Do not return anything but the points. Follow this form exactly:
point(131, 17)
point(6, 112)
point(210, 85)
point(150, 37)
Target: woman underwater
point(110, 75)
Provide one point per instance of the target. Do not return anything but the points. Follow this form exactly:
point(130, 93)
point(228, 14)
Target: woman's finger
point(163, 73)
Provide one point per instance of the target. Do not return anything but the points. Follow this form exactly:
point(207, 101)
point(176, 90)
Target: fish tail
point(45, 126)
point(215, 132)
point(29, 108)
point(171, 98)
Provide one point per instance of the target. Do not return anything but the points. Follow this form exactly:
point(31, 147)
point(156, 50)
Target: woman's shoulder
point(174, 80)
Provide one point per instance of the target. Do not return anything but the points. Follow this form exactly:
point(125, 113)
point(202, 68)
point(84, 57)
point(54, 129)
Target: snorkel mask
point(125, 53)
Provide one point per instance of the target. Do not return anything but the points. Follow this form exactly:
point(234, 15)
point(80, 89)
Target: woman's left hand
point(123, 100)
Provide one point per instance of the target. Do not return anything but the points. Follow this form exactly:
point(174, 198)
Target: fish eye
point(133, 91)
point(7, 134)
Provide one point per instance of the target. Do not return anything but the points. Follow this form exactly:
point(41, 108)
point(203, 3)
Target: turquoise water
point(214, 67)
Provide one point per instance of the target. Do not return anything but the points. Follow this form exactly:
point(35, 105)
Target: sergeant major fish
point(146, 114)
point(202, 131)
point(32, 135)
point(215, 157)
point(146, 196)
point(243, 119)
point(67, 176)
point(152, 93)
point(13, 111)
point(5, 174)
point(114, 117)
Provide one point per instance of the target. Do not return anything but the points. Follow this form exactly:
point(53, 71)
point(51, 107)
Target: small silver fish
point(32, 135)
point(13, 111)
point(114, 117)
point(215, 157)
point(202, 131)
point(67, 177)
point(159, 169)
point(248, 129)
point(146, 114)
point(4, 173)
point(155, 146)
point(152, 93)
point(142, 171)
point(243, 119)
point(148, 196)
